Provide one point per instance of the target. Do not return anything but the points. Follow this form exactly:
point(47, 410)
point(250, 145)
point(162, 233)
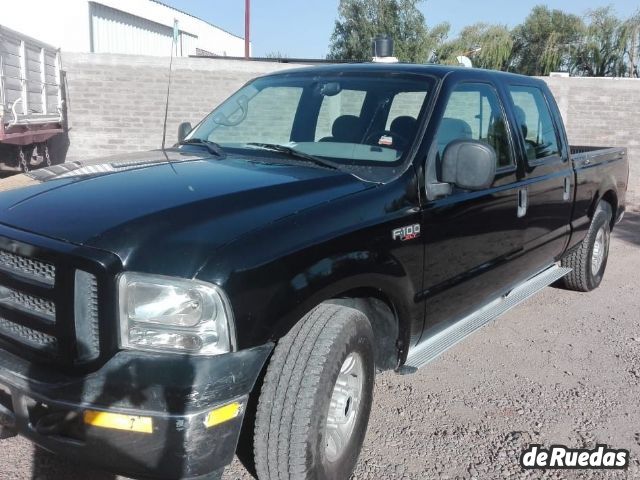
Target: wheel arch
point(391, 329)
point(609, 195)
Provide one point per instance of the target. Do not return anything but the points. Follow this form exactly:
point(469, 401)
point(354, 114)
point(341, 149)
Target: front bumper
point(174, 395)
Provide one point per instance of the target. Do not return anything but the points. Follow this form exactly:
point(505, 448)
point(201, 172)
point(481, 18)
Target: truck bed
point(581, 153)
point(611, 175)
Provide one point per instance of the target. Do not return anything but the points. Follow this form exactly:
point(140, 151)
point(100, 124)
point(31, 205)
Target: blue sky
point(302, 28)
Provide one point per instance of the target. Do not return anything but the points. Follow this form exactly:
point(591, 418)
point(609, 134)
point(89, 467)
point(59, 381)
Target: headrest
point(347, 128)
point(453, 129)
point(521, 118)
point(404, 126)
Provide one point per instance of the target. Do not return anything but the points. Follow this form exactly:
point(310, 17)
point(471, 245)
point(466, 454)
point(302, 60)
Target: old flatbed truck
point(237, 292)
point(31, 101)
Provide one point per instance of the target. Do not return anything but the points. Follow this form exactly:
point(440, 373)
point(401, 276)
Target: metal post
point(24, 78)
point(247, 28)
point(43, 81)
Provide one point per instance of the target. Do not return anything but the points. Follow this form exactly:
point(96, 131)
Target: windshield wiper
point(212, 147)
point(292, 152)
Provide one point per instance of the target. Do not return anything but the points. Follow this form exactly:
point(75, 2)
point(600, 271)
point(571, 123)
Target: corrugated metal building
point(140, 27)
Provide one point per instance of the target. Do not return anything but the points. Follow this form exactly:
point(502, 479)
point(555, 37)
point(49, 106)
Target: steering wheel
point(398, 140)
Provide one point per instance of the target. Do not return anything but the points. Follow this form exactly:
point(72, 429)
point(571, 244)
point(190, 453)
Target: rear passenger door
point(549, 176)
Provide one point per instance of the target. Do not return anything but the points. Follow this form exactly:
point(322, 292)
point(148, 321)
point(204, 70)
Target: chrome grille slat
point(86, 315)
point(28, 336)
point(23, 301)
point(27, 267)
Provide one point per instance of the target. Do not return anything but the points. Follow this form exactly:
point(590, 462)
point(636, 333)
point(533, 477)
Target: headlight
point(173, 314)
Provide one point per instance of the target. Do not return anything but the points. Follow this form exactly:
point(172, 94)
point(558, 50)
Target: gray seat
point(345, 129)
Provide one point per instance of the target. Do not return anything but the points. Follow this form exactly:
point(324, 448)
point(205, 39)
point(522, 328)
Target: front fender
point(276, 275)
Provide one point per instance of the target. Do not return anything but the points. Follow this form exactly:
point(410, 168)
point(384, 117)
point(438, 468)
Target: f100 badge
point(406, 233)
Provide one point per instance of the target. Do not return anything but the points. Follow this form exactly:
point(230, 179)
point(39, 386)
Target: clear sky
point(302, 28)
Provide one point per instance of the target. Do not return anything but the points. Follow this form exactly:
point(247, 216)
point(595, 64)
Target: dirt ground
point(563, 368)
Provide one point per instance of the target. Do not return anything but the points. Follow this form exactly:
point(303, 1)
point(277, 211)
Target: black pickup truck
point(236, 293)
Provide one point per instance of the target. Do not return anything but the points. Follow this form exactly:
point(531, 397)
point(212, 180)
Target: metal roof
point(197, 18)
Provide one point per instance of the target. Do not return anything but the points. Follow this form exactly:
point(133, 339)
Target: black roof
point(434, 70)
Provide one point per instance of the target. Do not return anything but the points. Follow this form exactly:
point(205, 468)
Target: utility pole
point(247, 28)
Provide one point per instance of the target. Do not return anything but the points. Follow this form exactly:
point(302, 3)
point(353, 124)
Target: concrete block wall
point(116, 103)
point(603, 112)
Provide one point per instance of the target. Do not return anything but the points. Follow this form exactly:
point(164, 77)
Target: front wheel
point(589, 260)
point(316, 397)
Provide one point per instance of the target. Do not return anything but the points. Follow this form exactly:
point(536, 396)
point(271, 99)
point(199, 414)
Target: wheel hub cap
point(599, 250)
point(344, 406)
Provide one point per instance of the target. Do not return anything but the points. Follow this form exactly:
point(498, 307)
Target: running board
point(434, 346)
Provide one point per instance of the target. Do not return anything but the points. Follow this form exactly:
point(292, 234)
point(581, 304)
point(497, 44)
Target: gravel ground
point(563, 368)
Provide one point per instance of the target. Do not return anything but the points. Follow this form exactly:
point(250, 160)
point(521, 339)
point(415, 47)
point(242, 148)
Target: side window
point(280, 103)
point(346, 106)
point(534, 119)
point(474, 112)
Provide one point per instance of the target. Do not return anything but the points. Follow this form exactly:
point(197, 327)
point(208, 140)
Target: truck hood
point(143, 207)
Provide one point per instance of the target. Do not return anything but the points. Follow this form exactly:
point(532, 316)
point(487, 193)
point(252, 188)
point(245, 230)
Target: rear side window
point(535, 122)
point(474, 112)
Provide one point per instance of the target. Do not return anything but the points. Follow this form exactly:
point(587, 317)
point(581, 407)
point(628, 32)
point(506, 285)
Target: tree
point(601, 53)
point(546, 41)
point(359, 21)
point(632, 48)
point(489, 46)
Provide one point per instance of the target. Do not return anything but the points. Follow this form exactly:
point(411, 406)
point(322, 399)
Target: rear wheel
point(316, 397)
point(589, 261)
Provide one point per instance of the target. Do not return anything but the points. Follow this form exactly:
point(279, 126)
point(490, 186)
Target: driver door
point(471, 237)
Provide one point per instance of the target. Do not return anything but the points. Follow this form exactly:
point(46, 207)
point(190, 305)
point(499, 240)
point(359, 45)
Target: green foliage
point(603, 50)
point(359, 21)
point(548, 40)
point(544, 42)
point(489, 46)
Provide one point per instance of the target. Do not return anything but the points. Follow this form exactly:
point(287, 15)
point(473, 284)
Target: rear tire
point(299, 412)
point(589, 260)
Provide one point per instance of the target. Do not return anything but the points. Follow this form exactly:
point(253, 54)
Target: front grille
point(48, 307)
point(17, 264)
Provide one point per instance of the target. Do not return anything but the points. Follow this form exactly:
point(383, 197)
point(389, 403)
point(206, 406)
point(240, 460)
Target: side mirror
point(469, 164)
point(183, 130)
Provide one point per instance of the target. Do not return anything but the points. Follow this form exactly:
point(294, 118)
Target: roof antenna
point(174, 42)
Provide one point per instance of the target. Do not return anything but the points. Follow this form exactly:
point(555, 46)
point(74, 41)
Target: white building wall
point(68, 24)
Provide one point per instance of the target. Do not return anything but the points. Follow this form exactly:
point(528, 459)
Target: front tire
point(316, 397)
point(589, 261)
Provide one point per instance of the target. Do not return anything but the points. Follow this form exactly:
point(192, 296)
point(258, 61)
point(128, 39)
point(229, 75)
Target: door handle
point(566, 195)
point(523, 202)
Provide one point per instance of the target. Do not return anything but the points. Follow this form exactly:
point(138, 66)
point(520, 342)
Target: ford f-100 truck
point(236, 293)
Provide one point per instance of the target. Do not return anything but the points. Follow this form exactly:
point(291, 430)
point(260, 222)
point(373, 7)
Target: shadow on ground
point(629, 229)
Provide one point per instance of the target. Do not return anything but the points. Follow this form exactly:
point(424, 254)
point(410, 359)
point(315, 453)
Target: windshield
point(369, 119)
